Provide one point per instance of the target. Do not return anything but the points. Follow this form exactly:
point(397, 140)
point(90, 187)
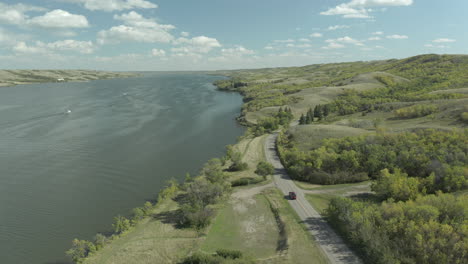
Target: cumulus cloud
point(15, 14)
point(337, 27)
point(114, 5)
point(84, 47)
point(443, 40)
point(237, 51)
point(200, 44)
point(397, 37)
point(334, 45)
point(184, 34)
point(362, 8)
point(59, 19)
point(316, 35)
point(285, 41)
point(374, 38)
point(269, 48)
point(377, 33)
point(136, 28)
point(158, 52)
point(345, 40)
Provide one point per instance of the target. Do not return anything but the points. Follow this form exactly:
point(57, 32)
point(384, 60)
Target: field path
point(332, 245)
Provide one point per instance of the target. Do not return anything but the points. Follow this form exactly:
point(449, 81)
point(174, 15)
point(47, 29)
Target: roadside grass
point(309, 137)
point(320, 201)
point(245, 225)
point(253, 152)
point(317, 187)
point(301, 247)
point(153, 240)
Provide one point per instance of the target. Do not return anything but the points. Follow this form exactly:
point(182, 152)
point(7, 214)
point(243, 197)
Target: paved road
point(331, 244)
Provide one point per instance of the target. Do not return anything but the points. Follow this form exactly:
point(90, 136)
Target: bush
point(396, 186)
point(121, 224)
point(416, 111)
point(245, 181)
point(228, 253)
point(80, 250)
point(264, 169)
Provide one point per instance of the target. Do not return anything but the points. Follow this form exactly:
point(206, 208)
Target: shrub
point(228, 253)
point(264, 169)
point(416, 111)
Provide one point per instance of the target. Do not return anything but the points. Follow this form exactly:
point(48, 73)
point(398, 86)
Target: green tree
point(397, 186)
point(121, 224)
point(80, 250)
point(264, 169)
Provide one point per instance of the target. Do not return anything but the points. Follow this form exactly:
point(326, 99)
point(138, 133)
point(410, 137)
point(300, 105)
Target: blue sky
point(222, 34)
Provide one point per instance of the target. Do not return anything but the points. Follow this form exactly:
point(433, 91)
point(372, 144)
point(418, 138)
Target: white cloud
point(237, 51)
point(443, 40)
point(337, 27)
point(269, 48)
point(84, 47)
point(184, 34)
point(21, 47)
point(345, 40)
point(15, 14)
point(374, 38)
point(397, 37)
point(200, 44)
point(136, 28)
point(316, 35)
point(158, 52)
point(303, 46)
point(285, 41)
point(362, 8)
point(436, 46)
point(115, 5)
point(304, 40)
point(377, 33)
point(59, 19)
point(334, 45)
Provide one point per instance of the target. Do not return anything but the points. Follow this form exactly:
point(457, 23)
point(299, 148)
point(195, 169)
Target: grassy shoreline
point(10, 78)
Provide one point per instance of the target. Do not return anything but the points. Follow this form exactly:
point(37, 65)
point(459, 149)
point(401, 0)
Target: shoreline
point(11, 78)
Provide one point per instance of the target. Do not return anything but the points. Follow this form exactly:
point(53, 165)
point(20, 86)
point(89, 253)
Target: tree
point(237, 164)
point(80, 249)
point(121, 224)
point(213, 171)
point(264, 169)
point(302, 120)
point(397, 186)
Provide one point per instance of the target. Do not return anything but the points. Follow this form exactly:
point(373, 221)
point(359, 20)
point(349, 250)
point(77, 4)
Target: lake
point(74, 155)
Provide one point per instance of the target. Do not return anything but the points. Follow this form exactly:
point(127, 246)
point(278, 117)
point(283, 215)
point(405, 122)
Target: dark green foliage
point(237, 163)
point(196, 216)
point(227, 253)
point(222, 256)
point(264, 169)
point(100, 241)
point(429, 230)
point(213, 171)
point(417, 154)
point(397, 186)
point(121, 224)
point(270, 124)
point(245, 181)
point(80, 250)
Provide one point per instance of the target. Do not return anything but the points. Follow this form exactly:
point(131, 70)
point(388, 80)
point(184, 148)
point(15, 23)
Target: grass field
point(246, 225)
point(310, 136)
point(154, 240)
point(252, 153)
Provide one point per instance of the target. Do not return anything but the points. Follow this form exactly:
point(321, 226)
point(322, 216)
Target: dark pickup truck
point(292, 195)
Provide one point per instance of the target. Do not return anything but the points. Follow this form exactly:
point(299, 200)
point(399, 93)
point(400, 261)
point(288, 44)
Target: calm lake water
point(66, 175)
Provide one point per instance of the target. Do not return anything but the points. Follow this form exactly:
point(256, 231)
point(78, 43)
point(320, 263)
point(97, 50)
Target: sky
point(169, 35)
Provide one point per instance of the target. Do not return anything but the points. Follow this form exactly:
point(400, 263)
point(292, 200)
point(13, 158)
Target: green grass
point(151, 241)
point(310, 136)
point(316, 187)
point(320, 201)
point(248, 226)
point(302, 249)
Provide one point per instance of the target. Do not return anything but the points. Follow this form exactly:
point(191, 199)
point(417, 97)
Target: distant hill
point(15, 77)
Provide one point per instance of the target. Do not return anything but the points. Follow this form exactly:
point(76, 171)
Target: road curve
point(332, 245)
